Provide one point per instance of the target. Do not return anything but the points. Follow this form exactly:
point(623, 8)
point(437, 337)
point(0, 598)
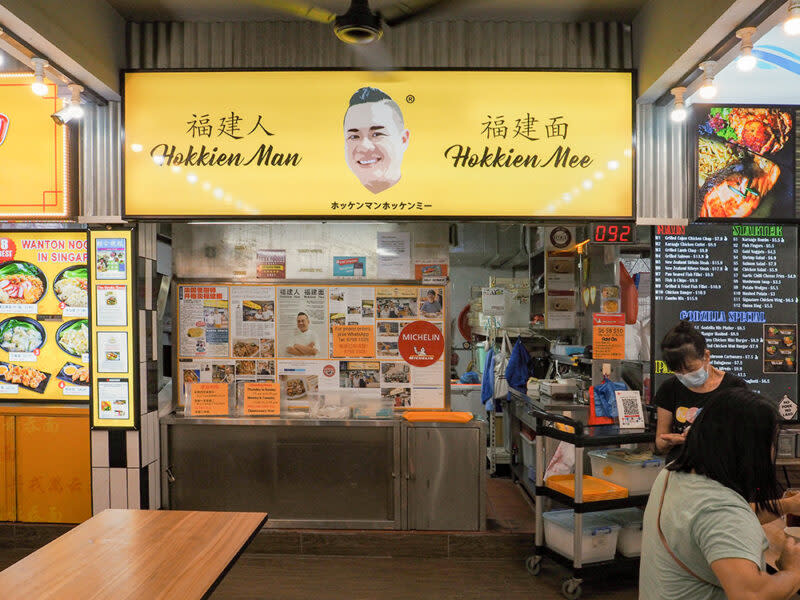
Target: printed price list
point(738, 285)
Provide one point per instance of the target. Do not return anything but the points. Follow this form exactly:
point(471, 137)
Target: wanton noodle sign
point(421, 343)
point(357, 144)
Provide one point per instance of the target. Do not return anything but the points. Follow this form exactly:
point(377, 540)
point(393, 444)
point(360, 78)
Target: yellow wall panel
point(53, 469)
point(8, 492)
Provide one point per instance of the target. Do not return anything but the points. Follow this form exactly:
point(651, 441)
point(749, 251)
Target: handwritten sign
point(208, 399)
point(262, 398)
point(353, 341)
point(608, 336)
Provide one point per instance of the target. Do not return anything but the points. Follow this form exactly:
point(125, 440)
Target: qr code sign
point(629, 407)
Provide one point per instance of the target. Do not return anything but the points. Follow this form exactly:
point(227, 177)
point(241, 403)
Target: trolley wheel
point(571, 589)
point(533, 564)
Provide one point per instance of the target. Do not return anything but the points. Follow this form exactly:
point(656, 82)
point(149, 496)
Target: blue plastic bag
point(605, 398)
point(470, 377)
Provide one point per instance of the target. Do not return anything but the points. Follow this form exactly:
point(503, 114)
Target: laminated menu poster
point(357, 352)
point(302, 322)
point(737, 284)
point(203, 321)
point(112, 399)
point(44, 331)
point(111, 305)
point(110, 258)
point(253, 321)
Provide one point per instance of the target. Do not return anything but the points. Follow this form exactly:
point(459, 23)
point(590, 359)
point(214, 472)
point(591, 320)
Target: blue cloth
point(487, 385)
point(518, 368)
point(470, 377)
point(605, 399)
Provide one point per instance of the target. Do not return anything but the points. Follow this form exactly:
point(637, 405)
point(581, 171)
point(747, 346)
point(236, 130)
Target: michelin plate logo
point(4, 123)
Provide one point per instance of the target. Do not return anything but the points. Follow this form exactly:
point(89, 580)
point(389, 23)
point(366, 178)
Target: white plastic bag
point(563, 461)
point(500, 364)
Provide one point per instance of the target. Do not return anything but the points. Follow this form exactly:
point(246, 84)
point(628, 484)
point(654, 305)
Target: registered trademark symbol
point(410, 99)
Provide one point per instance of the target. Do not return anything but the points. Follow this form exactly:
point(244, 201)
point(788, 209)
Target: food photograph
point(21, 334)
point(73, 337)
point(71, 286)
point(745, 162)
point(21, 283)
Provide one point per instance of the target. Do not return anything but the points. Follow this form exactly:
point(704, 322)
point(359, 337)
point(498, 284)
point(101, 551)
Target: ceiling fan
point(360, 24)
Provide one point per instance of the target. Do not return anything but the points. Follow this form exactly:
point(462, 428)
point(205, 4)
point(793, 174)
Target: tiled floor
point(328, 565)
point(507, 507)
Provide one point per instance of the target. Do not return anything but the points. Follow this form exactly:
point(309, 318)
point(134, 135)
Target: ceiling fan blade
point(301, 9)
point(402, 12)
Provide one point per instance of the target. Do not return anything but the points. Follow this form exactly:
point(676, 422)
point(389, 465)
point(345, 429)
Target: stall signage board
point(114, 402)
point(33, 152)
point(745, 162)
point(608, 336)
point(44, 331)
point(737, 284)
point(418, 144)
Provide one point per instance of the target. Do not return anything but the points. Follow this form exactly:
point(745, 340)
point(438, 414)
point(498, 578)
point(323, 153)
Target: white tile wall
point(119, 488)
point(134, 497)
point(100, 489)
point(99, 448)
point(132, 447)
point(155, 447)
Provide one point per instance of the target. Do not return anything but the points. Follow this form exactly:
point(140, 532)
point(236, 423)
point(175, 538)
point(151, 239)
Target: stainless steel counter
point(315, 473)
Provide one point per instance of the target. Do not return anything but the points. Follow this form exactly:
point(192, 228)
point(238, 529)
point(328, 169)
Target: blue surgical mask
point(695, 379)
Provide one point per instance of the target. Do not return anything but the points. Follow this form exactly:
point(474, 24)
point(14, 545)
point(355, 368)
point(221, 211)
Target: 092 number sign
point(613, 233)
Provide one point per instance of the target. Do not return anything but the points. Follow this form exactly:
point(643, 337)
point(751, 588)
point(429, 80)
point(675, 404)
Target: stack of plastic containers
point(636, 471)
point(598, 542)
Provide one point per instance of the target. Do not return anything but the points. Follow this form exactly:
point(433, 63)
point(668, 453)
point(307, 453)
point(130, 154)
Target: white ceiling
point(775, 80)
point(530, 10)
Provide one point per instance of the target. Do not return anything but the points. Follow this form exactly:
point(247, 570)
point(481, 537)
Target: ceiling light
point(136, 147)
point(792, 25)
point(678, 113)
point(359, 25)
point(708, 89)
point(39, 87)
point(73, 109)
point(613, 165)
point(746, 61)
point(588, 184)
point(191, 178)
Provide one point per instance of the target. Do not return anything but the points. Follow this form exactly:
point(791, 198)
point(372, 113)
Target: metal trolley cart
point(583, 437)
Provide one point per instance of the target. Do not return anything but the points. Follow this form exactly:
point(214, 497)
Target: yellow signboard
point(44, 331)
point(405, 144)
point(33, 152)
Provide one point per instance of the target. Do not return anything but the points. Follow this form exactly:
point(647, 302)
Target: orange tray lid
point(594, 489)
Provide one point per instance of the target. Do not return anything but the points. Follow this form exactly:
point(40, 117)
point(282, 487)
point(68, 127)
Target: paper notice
point(394, 255)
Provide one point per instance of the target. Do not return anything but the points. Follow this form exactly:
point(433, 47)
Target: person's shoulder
point(731, 380)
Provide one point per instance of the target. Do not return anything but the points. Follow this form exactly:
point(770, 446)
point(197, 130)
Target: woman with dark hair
point(695, 382)
point(702, 540)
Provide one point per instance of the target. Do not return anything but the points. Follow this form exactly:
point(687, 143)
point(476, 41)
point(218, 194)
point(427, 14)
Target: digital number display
point(613, 233)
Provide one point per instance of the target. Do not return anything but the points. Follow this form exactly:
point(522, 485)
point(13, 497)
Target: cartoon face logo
point(4, 123)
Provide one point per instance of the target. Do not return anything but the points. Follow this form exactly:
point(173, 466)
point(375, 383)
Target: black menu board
point(738, 285)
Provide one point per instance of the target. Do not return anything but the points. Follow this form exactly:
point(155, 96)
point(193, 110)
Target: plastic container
point(594, 489)
point(634, 471)
point(598, 540)
point(630, 521)
point(528, 454)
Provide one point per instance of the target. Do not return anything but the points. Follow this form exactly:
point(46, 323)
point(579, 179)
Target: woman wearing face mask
point(681, 398)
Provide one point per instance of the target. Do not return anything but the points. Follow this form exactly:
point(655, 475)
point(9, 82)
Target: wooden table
point(140, 554)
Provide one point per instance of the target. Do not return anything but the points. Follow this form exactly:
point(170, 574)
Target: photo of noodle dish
point(71, 286)
point(21, 334)
point(21, 283)
point(745, 163)
point(73, 337)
